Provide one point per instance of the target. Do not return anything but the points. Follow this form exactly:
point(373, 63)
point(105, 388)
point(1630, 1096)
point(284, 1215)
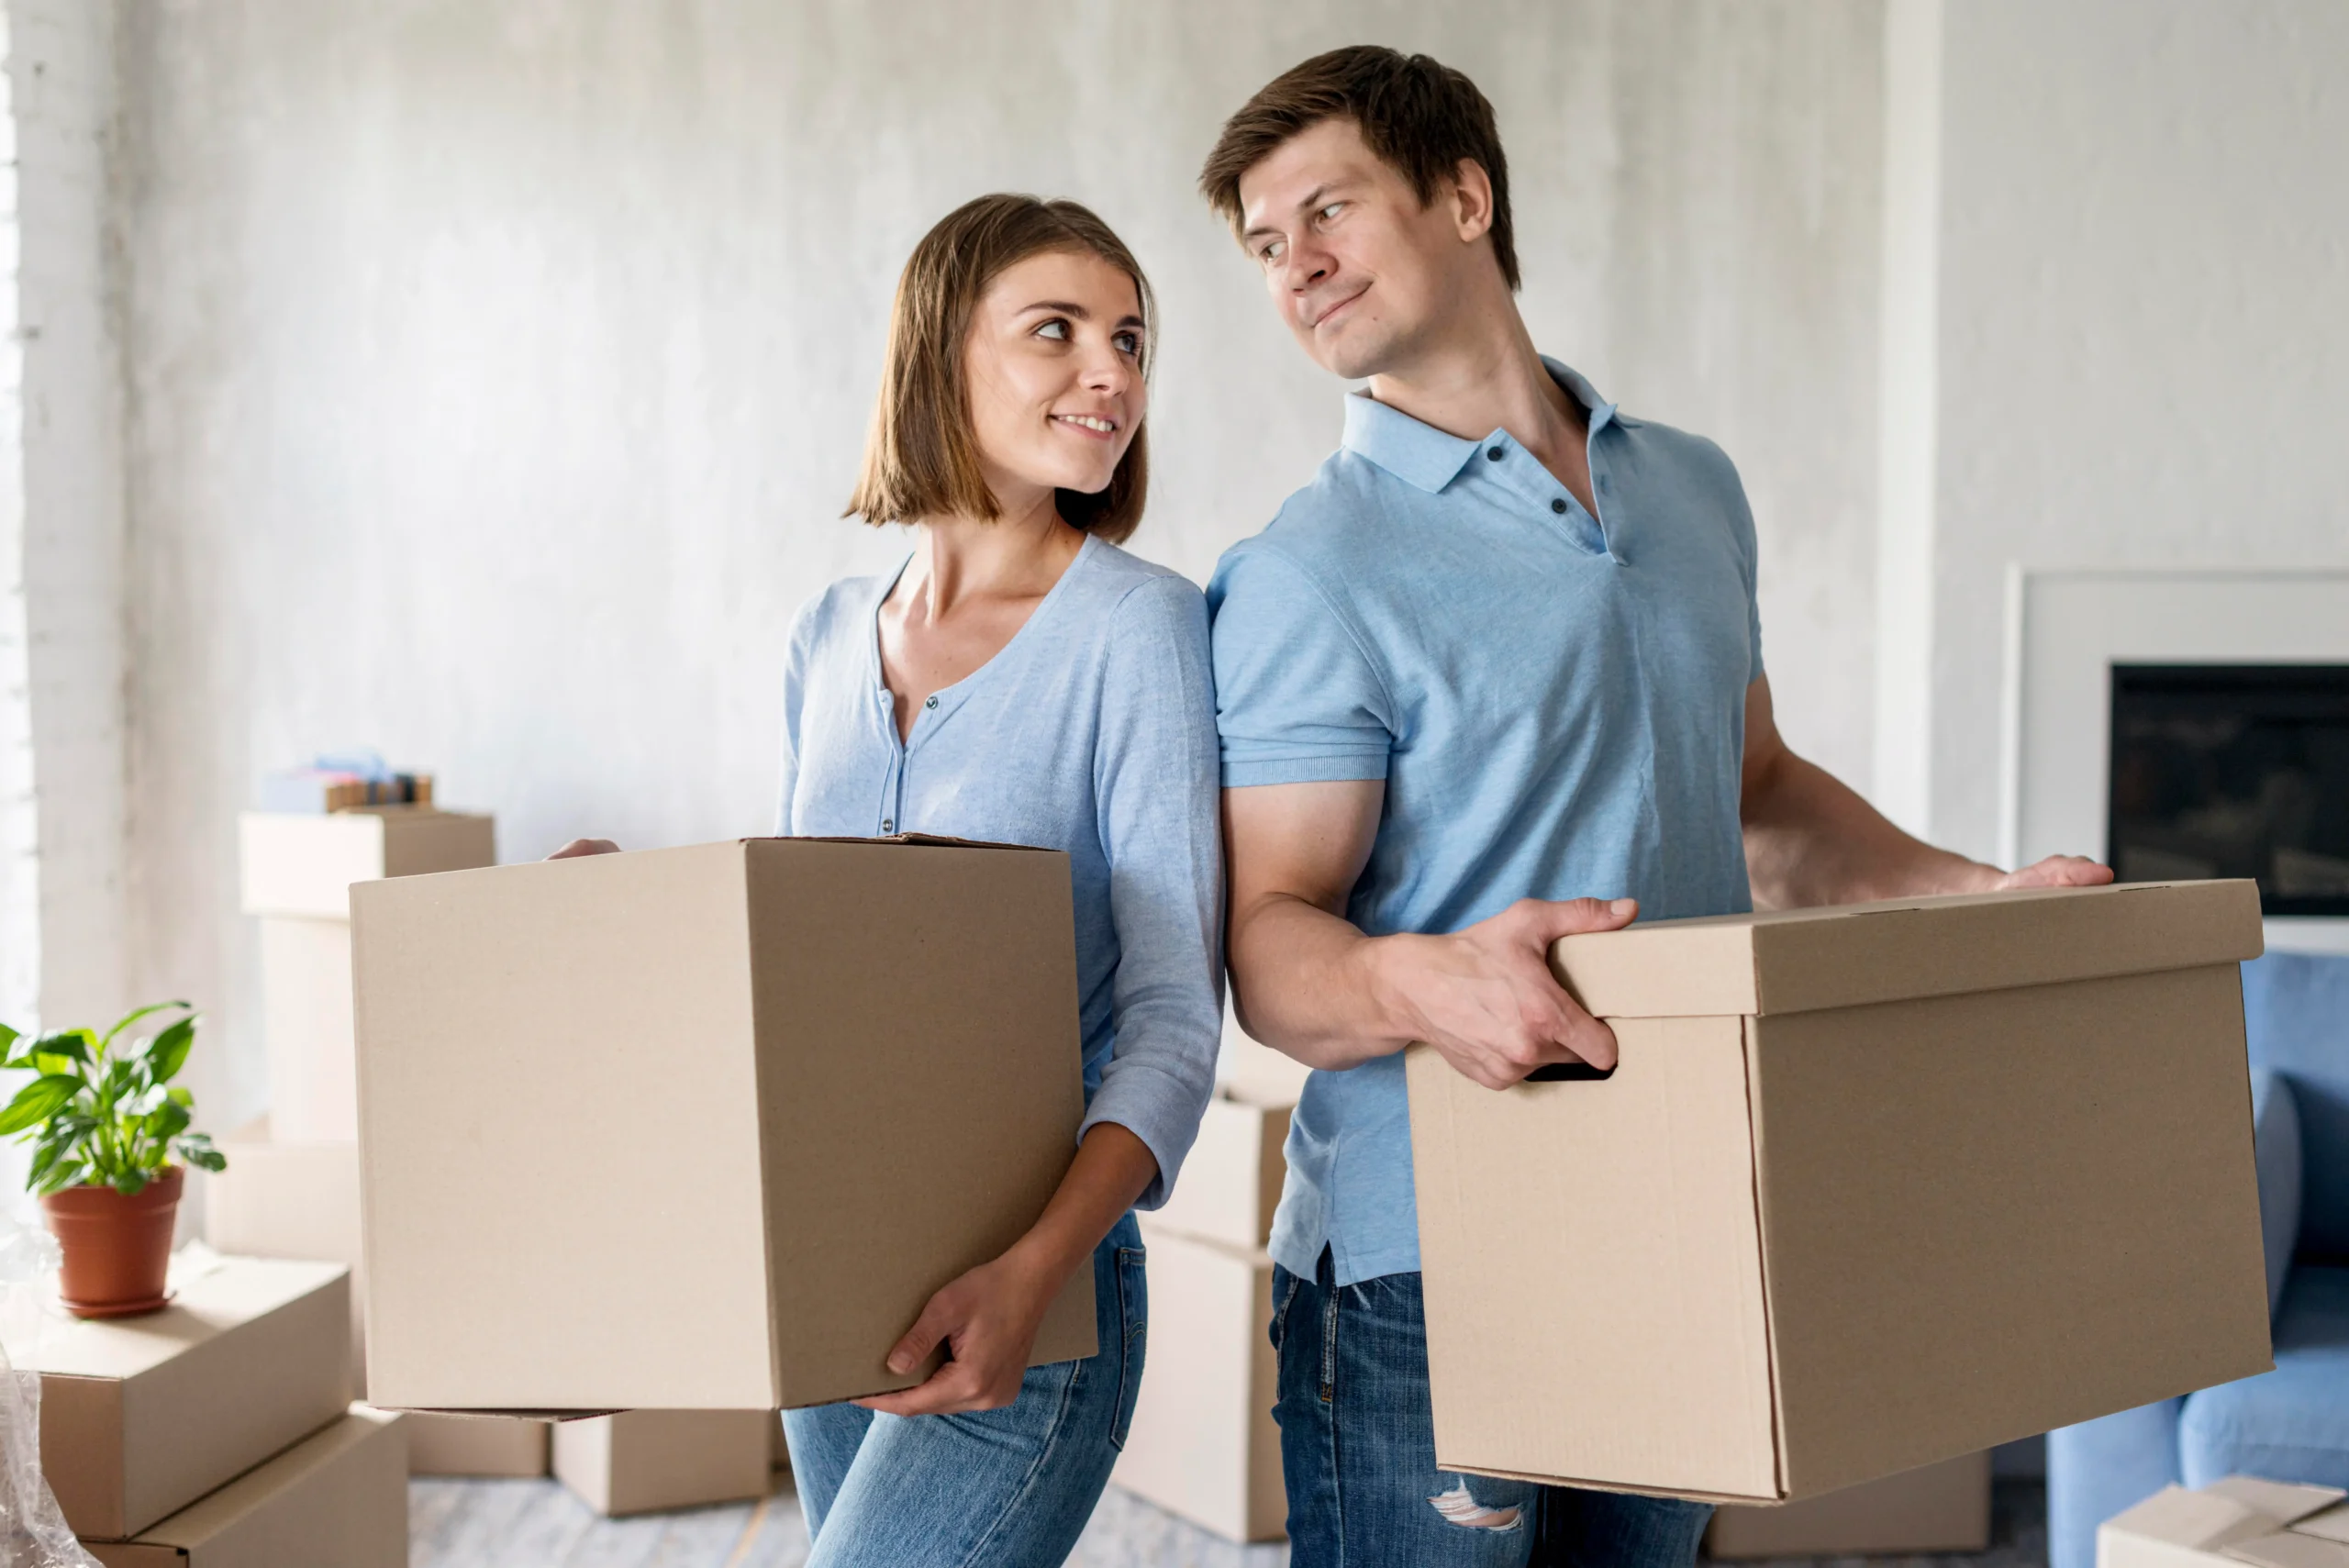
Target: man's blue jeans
point(1358, 1451)
point(1009, 1488)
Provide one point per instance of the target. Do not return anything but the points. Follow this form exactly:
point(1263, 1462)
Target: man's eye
point(1271, 252)
point(1331, 210)
point(1056, 330)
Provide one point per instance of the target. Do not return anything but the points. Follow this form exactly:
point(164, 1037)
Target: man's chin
point(1356, 355)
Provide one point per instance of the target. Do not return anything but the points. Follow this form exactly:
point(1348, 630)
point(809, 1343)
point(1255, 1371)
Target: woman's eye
point(1056, 330)
point(1128, 343)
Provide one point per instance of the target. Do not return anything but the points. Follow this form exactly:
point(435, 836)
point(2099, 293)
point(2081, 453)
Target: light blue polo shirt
point(1556, 702)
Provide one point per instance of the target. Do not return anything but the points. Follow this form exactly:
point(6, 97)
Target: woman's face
point(1053, 365)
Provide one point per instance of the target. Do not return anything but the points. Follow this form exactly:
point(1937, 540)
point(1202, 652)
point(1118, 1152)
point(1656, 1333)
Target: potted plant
point(104, 1122)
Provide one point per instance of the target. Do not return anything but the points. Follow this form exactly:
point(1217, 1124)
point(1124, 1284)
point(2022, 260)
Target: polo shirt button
point(932, 703)
point(888, 826)
point(1558, 506)
point(1493, 453)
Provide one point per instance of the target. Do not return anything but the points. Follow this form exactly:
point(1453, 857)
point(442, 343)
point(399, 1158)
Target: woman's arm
point(1155, 797)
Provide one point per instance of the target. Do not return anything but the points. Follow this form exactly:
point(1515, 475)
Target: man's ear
point(1472, 200)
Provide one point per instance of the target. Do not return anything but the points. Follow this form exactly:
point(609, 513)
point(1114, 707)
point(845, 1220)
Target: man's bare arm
point(1308, 983)
point(1811, 840)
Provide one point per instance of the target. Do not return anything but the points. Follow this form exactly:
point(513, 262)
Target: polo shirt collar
point(1421, 455)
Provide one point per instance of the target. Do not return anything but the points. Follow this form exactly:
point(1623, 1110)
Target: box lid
point(1849, 955)
point(208, 1302)
point(2269, 1524)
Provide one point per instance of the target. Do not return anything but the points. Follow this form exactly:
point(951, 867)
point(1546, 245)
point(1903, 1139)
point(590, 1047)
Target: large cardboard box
point(1202, 1444)
point(337, 1500)
point(1871, 1187)
point(641, 1461)
point(1937, 1507)
point(306, 1026)
point(141, 1416)
point(1230, 1181)
point(303, 865)
point(2269, 1524)
point(778, 1089)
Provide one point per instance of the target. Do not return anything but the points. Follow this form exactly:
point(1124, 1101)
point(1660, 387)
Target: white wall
point(2141, 353)
point(495, 372)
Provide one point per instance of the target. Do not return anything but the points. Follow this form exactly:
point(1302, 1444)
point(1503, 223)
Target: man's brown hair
point(921, 458)
point(1420, 117)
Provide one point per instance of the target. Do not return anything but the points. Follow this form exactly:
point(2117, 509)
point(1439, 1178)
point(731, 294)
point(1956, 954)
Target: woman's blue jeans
point(1009, 1488)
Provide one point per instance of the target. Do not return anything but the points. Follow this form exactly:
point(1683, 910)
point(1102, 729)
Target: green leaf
point(37, 1102)
point(207, 1157)
point(8, 1039)
point(44, 1158)
point(71, 1045)
point(135, 1014)
point(167, 1053)
point(130, 1184)
point(64, 1173)
point(181, 1097)
point(168, 1120)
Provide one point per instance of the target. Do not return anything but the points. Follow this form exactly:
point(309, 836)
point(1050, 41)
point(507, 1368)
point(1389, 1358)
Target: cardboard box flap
point(2290, 1549)
point(2286, 1502)
point(2332, 1524)
point(1849, 955)
point(917, 841)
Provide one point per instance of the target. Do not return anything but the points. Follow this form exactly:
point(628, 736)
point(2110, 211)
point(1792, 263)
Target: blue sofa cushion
point(2276, 1134)
point(2291, 1423)
point(2295, 1014)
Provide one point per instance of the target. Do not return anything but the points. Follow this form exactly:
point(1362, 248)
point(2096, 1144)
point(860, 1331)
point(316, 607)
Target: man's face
point(1355, 265)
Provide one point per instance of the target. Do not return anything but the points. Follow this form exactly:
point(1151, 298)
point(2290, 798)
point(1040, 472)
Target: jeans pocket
point(1133, 1318)
point(1284, 1284)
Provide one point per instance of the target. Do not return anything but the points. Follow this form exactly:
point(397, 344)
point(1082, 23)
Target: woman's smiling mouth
point(1090, 423)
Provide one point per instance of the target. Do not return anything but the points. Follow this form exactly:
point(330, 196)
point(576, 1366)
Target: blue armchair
point(2291, 1423)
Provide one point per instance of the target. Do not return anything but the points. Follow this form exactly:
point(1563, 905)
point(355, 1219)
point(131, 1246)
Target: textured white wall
point(497, 370)
point(2144, 347)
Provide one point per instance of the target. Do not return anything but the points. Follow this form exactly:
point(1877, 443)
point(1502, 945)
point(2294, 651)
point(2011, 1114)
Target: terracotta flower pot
point(117, 1248)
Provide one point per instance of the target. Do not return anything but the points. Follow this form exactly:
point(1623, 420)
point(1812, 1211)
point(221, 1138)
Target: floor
point(538, 1524)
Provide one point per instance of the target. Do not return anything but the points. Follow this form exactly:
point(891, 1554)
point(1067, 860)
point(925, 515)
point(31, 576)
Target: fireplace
point(2232, 770)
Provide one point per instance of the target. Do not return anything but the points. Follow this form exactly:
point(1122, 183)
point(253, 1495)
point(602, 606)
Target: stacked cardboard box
point(1937, 1507)
point(191, 1434)
point(2238, 1520)
point(1202, 1444)
point(640, 1461)
point(292, 1186)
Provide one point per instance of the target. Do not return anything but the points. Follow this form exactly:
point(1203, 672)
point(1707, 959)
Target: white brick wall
point(20, 947)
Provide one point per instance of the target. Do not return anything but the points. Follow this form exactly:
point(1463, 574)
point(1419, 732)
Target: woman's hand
point(586, 846)
point(988, 1319)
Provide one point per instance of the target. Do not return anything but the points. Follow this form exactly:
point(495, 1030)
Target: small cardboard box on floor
point(1870, 1187)
point(780, 1089)
point(282, 1199)
point(339, 1499)
point(142, 1416)
point(640, 1461)
point(1937, 1507)
point(2241, 1520)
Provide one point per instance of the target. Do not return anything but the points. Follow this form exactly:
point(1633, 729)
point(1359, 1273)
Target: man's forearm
point(1331, 1006)
point(1811, 840)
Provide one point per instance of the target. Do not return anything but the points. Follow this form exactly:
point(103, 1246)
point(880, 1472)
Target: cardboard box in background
point(1230, 1181)
point(2238, 1520)
point(1202, 1444)
point(1871, 1187)
point(726, 1054)
point(1939, 1507)
point(289, 1200)
point(1254, 1070)
point(142, 1416)
point(509, 1446)
point(641, 1461)
point(305, 1028)
point(303, 863)
point(337, 1500)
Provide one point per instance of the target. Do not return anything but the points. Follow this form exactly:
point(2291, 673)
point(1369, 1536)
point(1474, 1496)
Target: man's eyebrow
point(1317, 196)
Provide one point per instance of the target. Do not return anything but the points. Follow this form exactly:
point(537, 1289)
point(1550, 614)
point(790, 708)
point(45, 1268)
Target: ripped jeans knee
point(1459, 1507)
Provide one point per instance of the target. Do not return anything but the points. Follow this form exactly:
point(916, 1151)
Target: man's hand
point(2056, 870)
point(1484, 996)
point(586, 846)
point(988, 1319)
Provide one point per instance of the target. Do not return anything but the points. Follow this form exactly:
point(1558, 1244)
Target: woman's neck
point(1016, 555)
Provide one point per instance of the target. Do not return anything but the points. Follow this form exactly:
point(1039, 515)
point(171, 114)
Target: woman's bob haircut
point(921, 458)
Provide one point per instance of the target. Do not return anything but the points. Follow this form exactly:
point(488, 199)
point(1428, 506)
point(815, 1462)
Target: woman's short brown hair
point(921, 458)
point(1420, 115)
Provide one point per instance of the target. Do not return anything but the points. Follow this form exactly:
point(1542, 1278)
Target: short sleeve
point(1297, 700)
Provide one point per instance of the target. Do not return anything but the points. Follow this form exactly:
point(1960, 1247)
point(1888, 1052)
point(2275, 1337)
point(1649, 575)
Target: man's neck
point(1480, 373)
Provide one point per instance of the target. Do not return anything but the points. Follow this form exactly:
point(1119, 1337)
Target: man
point(1493, 677)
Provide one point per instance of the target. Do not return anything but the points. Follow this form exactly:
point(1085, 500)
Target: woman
point(1021, 679)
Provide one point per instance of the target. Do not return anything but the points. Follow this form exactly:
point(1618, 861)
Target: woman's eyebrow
point(1059, 306)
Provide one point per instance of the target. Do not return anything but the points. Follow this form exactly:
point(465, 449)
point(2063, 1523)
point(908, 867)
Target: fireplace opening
point(2234, 770)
